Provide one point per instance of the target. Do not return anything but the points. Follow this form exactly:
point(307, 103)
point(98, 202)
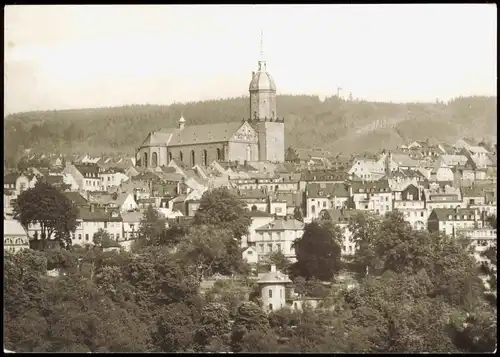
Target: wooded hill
point(334, 124)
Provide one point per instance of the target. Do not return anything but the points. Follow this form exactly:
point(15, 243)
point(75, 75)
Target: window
point(193, 158)
point(145, 159)
point(249, 252)
point(313, 210)
point(421, 214)
point(87, 237)
point(154, 159)
point(270, 247)
point(79, 237)
point(281, 293)
point(219, 154)
point(117, 236)
point(270, 306)
point(278, 210)
point(270, 293)
point(261, 248)
point(181, 156)
point(324, 204)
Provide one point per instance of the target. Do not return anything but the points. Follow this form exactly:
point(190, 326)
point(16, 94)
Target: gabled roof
point(377, 186)
point(443, 214)
point(282, 224)
point(76, 198)
point(98, 215)
point(11, 227)
point(315, 190)
point(131, 217)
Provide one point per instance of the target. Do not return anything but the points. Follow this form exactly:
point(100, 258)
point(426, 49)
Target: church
point(261, 137)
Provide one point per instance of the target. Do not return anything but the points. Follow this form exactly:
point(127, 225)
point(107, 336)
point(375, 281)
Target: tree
point(152, 228)
point(223, 209)
point(249, 318)
point(48, 207)
point(363, 228)
point(214, 328)
point(203, 247)
point(318, 253)
point(102, 239)
point(297, 214)
point(492, 221)
point(278, 258)
point(175, 330)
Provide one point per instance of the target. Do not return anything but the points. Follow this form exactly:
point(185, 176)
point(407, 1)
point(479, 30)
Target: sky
point(81, 56)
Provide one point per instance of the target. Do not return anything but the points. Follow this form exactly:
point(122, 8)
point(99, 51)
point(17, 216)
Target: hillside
point(333, 124)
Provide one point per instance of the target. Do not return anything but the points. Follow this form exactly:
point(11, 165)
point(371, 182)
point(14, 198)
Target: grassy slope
point(333, 124)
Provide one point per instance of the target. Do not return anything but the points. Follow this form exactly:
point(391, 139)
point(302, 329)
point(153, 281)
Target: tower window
point(181, 156)
point(255, 115)
point(270, 293)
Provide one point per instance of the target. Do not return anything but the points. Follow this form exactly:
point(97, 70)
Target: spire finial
point(261, 45)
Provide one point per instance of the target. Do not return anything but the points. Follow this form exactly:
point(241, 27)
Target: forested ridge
point(335, 124)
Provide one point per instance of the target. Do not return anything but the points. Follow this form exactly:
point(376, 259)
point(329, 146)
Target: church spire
point(262, 62)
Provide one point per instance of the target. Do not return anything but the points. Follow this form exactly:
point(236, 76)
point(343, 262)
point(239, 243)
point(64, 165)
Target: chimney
point(273, 268)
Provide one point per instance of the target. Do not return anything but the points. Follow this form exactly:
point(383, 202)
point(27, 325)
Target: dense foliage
point(343, 126)
point(416, 292)
point(46, 206)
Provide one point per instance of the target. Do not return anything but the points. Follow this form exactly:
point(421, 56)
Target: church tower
point(263, 114)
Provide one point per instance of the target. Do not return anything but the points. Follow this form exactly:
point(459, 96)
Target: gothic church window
point(193, 162)
point(169, 156)
point(181, 156)
point(145, 159)
point(219, 154)
point(154, 159)
point(205, 158)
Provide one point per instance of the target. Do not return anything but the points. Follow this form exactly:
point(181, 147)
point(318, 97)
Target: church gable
point(157, 139)
point(245, 134)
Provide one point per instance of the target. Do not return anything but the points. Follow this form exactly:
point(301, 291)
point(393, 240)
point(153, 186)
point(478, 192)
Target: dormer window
point(450, 217)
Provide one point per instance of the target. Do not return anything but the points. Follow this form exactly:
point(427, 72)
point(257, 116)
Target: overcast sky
point(60, 57)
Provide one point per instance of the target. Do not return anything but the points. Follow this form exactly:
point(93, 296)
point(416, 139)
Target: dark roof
point(329, 189)
point(292, 199)
point(87, 169)
point(11, 178)
point(324, 175)
point(377, 186)
point(443, 214)
point(76, 198)
point(54, 179)
point(339, 216)
point(99, 215)
point(250, 194)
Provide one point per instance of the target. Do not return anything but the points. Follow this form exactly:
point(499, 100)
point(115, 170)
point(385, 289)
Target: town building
point(15, 237)
point(273, 290)
point(277, 236)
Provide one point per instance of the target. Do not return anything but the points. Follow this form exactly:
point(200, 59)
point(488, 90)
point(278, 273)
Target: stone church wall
point(241, 151)
point(198, 149)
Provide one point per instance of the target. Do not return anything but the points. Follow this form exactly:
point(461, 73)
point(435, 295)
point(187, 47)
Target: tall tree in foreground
point(223, 209)
point(318, 253)
point(152, 228)
point(46, 206)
